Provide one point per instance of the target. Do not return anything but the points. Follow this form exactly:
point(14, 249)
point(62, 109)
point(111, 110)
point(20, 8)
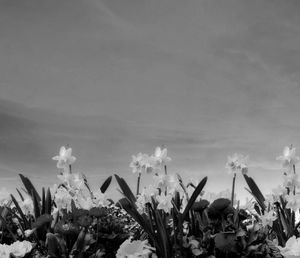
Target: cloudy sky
point(206, 78)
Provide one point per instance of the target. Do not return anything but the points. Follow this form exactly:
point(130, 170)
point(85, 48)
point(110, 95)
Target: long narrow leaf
point(29, 187)
point(194, 196)
point(256, 192)
point(43, 201)
point(125, 189)
point(21, 196)
point(132, 211)
point(36, 206)
point(106, 184)
point(24, 219)
point(8, 228)
point(48, 202)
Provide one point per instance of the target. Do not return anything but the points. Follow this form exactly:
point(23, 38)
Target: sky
point(205, 78)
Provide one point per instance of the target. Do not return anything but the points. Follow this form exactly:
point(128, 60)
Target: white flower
point(4, 197)
point(63, 199)
point(164, 202)
point(291, 181)
point(167, 183)
point(4, 250)
point(268, 218)
point(65, 178)
point(291, 249)
point(100, 199)
point(237, 162)
point(84, 202)
point(145, 197)
point(29, 232)
point(27, 205)
point(19, 249)
point(161, 155)
point(278, 191)
point(142, 163)
point(134, 249)
point(64, 158)
point(288, 158)
point(293, 202)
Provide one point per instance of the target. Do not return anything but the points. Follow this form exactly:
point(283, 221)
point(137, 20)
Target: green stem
point(233, 187)
point(138, 184)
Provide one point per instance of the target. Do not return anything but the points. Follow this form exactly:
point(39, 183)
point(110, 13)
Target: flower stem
point(138, 184)
point(294, 169)
point(233, 187)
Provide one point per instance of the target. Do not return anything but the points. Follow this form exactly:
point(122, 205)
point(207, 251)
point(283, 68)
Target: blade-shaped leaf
point(106, 184)
point(29, 187)
point(43, 201)
point(194, 196)
point(21, 196)
point(48, 202)
point(24, 219)
point(36, 205)
point(125, 189)
point(132, 211)
point(255, 192)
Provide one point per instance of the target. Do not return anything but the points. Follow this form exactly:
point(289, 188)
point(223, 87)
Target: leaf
point(125, 189)
point(132, 211)
point(29, 187)
point(255, 192)
point(24, 220)
point(21, 196)
point(194, 196)
point(106, 184)
point(8, 228)
point(43, 201)
point(48, 202)
point(36, 206)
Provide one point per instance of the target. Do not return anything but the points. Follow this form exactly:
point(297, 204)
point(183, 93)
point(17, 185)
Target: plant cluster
point(167, 218)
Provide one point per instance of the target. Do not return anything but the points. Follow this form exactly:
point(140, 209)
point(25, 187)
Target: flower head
point(100, 199)
point(17, 249)
point(164, 202)
point(134, 249)
point(288, 157)
point(291, 181)
point(142, 163)
point(4, 197)
point(237, 162)
point(167, 183)
point(65, 158)
point(293, 202)
point(161, 155)
point(27, 205)
point(268, 218)
point(63, 199)
point(292, 248)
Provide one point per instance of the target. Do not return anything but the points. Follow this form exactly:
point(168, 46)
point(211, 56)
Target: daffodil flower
point(161, 155)
point(268, 218)
point(237, 162)
point(65, 158)
point(293, 202)
point(164, 202)
point(288, 158)
point(134, 249)
point(142, 163)
point(291, 249)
